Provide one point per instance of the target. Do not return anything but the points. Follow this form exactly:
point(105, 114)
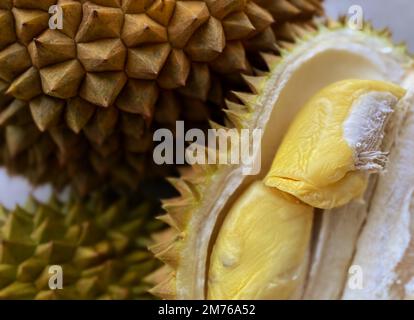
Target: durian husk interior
point(96, 90)
point(332, 53)
point(100, 244)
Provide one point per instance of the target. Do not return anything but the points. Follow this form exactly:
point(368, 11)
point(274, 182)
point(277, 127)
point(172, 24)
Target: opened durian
point(96, 89)
point(99, 243)
point(334, 191)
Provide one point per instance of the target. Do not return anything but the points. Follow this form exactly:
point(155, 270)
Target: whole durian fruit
point(96, 89)
point(100, 243)
point(317, 221)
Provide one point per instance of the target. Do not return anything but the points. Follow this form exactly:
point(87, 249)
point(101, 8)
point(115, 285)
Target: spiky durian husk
point(48, 157)
point(100, 243)
point(120, 69)
point(202, 186)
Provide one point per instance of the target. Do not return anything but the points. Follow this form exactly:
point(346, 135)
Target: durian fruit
point(62, 157)
point(316, 152)
point(100, 244)
point(95, 90)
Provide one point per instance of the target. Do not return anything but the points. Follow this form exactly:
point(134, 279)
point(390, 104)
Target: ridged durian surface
point(100, 243)
point(119, 69)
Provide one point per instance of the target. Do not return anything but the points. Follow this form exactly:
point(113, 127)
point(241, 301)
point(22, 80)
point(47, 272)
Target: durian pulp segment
point(334, 141)
point(260, 247)
point(328, 56)
point(262, 243)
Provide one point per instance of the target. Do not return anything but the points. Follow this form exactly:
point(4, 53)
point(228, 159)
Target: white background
point(397, 14)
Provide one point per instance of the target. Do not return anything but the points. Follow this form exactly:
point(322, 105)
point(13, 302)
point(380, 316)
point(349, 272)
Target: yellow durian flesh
point(324, 159)
point(261, 246)
point(327, 152)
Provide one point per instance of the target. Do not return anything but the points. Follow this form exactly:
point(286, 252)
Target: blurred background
point(398, 15)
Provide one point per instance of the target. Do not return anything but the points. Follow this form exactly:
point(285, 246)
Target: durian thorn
point(212, 155)
point(166, 289)
point(167, 218)
point(164, 235)
point(271, 60)
point(185, 189)
point(248, 99)
point(385, 32)
point(169, 254)
point(233, 106)
point(317, 4)
point(368, 26)
point(238, 118)
point(31, 203)
point(310, 28)
point(304, 37)
point(402, 47)
point(198, 174)
point(11, 110)
point(331, 24)
point(287, 8)
point(299, 32)
point(255, 83)
point(260, 73)
point(286, 47)
point(178, 202)
point(18, 291)
point(158, 275)
point(53, 201)
point(177, 213)
point(216, 126)
point(203, 170)
point(160, 247)
point(206, 168)
point(306, 6)
point(288, 32)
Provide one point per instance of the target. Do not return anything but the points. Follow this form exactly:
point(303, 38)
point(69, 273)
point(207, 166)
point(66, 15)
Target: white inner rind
point(384, 243)
point(364, 129)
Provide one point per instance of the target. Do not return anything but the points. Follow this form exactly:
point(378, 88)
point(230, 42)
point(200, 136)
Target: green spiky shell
point(117, 71)
point(100, 243)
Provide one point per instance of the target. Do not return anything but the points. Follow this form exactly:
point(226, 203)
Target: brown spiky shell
point(118, 70)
